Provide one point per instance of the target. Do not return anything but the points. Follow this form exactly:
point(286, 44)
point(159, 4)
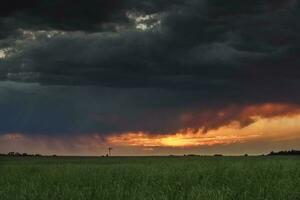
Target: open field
point(150, 178)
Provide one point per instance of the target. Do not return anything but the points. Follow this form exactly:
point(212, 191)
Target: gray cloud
point(114, 68)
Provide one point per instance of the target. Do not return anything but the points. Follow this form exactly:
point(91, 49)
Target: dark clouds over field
point(114, 66)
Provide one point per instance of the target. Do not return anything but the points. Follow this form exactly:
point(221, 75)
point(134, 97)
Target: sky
point(152, 77)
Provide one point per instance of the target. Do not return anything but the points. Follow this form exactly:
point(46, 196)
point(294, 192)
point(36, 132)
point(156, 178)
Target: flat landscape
point(155, 178)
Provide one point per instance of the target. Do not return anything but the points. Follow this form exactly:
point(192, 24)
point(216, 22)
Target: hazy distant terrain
point(150, 178)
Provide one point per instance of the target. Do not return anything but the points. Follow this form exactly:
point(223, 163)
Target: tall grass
point(160, 178)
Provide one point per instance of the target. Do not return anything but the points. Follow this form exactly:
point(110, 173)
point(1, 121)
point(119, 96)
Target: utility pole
point(109, 151)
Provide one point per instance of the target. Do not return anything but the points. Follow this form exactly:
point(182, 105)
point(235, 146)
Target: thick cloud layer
point(125, 65)
point(68, 15)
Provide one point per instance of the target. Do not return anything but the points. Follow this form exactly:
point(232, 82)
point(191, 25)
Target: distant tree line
point(17, 154)
point(285, 153)
point(280, 153)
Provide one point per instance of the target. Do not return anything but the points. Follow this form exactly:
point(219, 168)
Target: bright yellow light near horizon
point(184, 139)
point(279, 128)
point(176, 141)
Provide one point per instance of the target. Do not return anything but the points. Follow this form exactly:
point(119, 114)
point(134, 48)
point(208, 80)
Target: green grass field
point(150, 178)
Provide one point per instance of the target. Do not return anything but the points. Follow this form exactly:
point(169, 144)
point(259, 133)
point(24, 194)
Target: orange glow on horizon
point(187, 139)
point(271, 123)
point(272, 129)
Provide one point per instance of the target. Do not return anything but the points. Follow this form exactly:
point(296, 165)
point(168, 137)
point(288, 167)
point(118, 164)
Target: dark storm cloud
point(68, 15)
point(64, 15)
point(177, 57)
point(34, 109)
